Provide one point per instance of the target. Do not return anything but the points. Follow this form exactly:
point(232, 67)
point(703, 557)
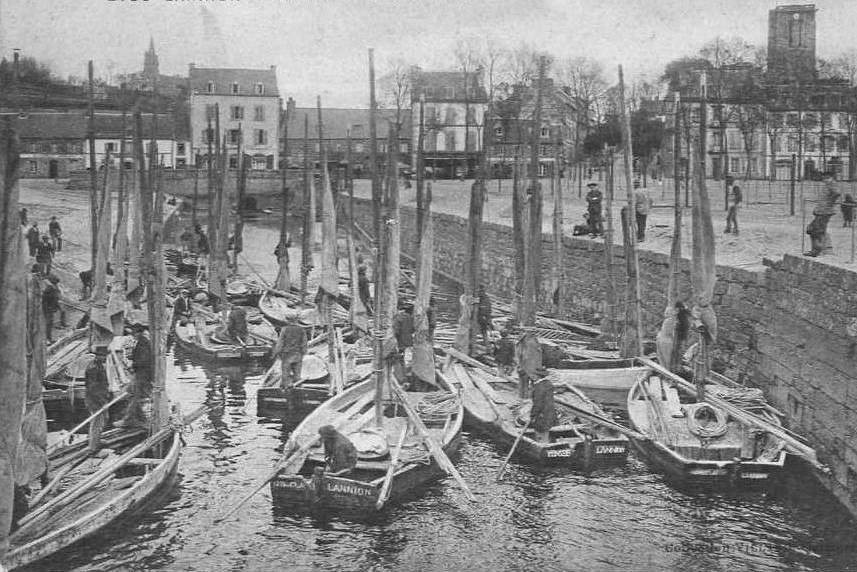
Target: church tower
point(791, 43)
point(150, 62)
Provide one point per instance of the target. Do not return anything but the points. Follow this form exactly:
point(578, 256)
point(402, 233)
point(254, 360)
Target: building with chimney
point(249, 105)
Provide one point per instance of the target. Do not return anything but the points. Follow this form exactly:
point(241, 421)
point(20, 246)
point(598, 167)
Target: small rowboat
point(697, 443)
point(88, 493)
point(606, 381)
point(393, 461)
point(281, 309)
point(206, 343)
point(493, 407)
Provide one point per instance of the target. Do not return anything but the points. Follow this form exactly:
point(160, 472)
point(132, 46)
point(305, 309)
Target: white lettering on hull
point(552, 453)
point(609, 449)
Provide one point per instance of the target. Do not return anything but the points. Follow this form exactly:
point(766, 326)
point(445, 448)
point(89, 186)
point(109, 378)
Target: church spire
point(150, 60)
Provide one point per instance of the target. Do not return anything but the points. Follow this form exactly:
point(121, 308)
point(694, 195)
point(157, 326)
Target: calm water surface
point(622, 518)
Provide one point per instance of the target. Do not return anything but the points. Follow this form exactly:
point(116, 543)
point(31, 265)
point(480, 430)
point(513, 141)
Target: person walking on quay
point(45, 255)
point(483, 315)
point(290, 347)
point(33, 238)
point(734, 200)
point(23, 215)
point(593, 208)
point(528, 354)
point(97, 396)
point(51, 305)
point(642, 204)
point(55, 230)
point(340, 454)
point(847, 207)
point(824, 209)
point(543, 414)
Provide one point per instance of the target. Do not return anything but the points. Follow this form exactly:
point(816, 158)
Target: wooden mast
point(120, 248)
point(420, 176)
point(380, 248)
point(632, 343)
point(283, 281)
point(104, 226)
point(357, 312)
point(306, 255)
point(558, 265)
point(13, 313)
point(423, 365)
point(608, 326)
point(533, 258)
point(93, 167)
point(241, 191)
point(373, 160)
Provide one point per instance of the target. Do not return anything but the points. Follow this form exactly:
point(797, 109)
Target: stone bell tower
point(791, 44)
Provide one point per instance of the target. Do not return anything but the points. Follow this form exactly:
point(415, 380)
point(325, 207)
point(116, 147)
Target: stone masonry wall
point(783, 328)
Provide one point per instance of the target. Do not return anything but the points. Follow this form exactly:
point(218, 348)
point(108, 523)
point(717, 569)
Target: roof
point(337, 122)
point(435, 84)
point(75, 124)
point(223, 78)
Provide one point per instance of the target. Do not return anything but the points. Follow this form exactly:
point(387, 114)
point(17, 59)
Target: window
point(261, 137)
point(357, 131)
point(451, 116)
point(843, 143)
point(429, 92)
point(259, 113)
point(234, 136)
point(471, 141)
point(498, 131)
point(792, 144)
point(180, 147)
point(717, 141)
point(211, 87)
point(233, 162)
point(210, 112)
point(471, 93)
point(471, 115)
point(795, 32)
point(234, 88)
point(449, 92)
point(754, 166)
point(776, 144)
point(269, 162)
point(735, 165)
point(450, 140)
point(181, 163)
point(430, 115)
point(260, 89)
point(208, 136)
point(545, 132)
point(237, 113)
point(34, 166)
point(359, 148)
point(734, 141)
point(110, 147)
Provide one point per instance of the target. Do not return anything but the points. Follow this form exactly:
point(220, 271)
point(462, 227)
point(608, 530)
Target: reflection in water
point(623, 517)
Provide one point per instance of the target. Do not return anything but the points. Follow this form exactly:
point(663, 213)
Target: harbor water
point(615, 518)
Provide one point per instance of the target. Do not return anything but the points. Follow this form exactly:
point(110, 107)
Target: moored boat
point(208, 344)
point(606, 381)
point(493, 407)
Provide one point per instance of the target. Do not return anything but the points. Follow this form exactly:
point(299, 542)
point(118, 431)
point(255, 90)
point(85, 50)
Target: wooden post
point(675, 250)
point(608, 327)
point(102, 249)
point(793, 172)
point(306, 254)
point(420, 177)
point(373, 160)
point(633, 319)
point(120, 243)
point(518, 236)
point(559, 266)
point(93, 167)
point(283, 281)
point(241, 192)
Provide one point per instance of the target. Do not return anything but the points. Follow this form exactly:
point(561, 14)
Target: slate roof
point(438, 81)
point(74, 125)
point(337, 121)
point(223, 79)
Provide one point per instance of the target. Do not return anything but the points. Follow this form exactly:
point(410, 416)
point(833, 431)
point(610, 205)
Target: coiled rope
point(718, 429)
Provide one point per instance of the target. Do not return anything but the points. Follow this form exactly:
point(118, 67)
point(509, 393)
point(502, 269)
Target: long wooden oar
point(391, 470)
point(83, 423)
point(512, 450)
point(601, 420)
point(435, 449)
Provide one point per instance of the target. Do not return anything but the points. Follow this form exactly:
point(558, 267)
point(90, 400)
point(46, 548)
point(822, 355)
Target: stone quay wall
point(788, 327)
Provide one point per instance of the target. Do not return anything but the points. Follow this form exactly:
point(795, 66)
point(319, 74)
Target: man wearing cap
point(55, 230)
point(363, 288)
point(340, 454)
point(182, 308)
point(528, 353)
point(141, 392)
point(483, 314)
point(45, 254)
point(33, 238)
point(236, 324)
point(734, 199)
point(291, 347)
point(51, 305)
point(543, 413)
point(593, 207)
point(97, 395)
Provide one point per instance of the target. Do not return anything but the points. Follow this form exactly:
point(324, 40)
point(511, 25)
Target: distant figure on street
point(340, 454)
point(483, 314)
point(23, 214)
point(33, 238)
point(51, 305)
point(55, 231)
point(847, 207)
point(290, 347)
point(45, 255)
point(593, 208)
point(528, 354)
point(735, 198)
point(824, 209)
point(97, 396)
point(504, 354)
point(543, 414)
point(642, 204)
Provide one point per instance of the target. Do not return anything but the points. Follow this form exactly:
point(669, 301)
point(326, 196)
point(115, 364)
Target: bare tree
point(395, 87)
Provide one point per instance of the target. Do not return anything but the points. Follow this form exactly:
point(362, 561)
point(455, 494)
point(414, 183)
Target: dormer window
point(545, 133)
point(234, 88)
point(260, 89)
point(211, 87)
point(450, 92)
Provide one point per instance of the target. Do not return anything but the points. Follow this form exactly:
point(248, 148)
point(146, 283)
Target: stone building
point(151, 79)
point(455, 105)
point(249, 106)
point(340, 125)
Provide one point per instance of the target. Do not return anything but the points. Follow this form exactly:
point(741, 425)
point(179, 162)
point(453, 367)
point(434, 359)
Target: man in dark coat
point(593, 208)
point(97, 395)
point(45, 254)
point(50, 305)
point(236, 325)
point(182, 308)
point(363, 288)
point(403, 328)
point(543, 413)
point(291, 347)
point(483, 314)
point(55, 230)
point(141, 392)
point(528, 354)
point(504, 353)
point(340, 454)
point(33, 238)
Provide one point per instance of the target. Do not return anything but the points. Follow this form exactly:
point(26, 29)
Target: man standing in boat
point(543, 413)
point(340, 454)
point(236, 324)
point(97, 396)
point(504, 354)
point(291, 347)
point(182, 308)
point(528, 354)
point(483, 314)
point(141, 393)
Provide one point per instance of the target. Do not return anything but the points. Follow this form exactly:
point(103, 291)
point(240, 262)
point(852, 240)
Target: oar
point(601, 420)
point(388, 478)
point(512, 450)
point(57, 478)
point(83, 423)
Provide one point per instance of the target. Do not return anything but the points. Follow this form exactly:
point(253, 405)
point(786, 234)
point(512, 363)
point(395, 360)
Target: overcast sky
point(319, 46)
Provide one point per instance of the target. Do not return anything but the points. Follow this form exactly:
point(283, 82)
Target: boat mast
point(241, 190)
point(608, 326)
point(632, 342)
point(380, 249)
point(306, 259)
point(93, 167)
point(283, 281)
